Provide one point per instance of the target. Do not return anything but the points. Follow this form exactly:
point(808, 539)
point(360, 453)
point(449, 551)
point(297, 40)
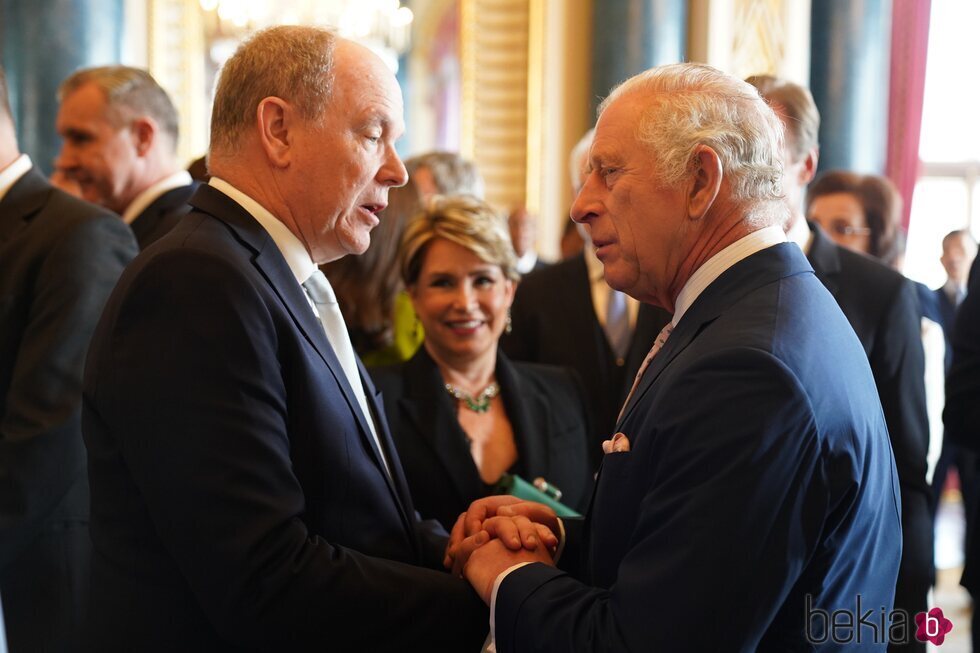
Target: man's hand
point(515, 533)
point(493, 558)
point(472, 522)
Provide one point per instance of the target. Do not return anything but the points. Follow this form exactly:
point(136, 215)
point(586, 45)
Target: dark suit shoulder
point(53, 206)
point(203, 233)
point(871, 272)
point(78, 210)
point(74, 238)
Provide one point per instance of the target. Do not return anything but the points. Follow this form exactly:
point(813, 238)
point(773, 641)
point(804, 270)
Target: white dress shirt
point(717, 264)
point(13, 172)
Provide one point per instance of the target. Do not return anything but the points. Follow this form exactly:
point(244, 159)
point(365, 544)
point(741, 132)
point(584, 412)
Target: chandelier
point(383, 25)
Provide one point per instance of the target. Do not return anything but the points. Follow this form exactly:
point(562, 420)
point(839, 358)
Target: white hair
point(694, 104)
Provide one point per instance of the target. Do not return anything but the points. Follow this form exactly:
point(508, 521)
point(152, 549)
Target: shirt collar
point(148, 196)
point(726, 258)
point(297, 258)
point(12, 173)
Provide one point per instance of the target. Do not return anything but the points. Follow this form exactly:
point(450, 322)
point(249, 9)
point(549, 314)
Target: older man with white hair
point(749, 496)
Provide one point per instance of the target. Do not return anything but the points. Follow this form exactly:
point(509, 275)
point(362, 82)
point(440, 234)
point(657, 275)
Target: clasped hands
point(496, 533)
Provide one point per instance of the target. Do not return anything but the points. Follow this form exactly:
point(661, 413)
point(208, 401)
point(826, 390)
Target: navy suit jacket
point(238, 500)
point(547, 412)
point(759, 474)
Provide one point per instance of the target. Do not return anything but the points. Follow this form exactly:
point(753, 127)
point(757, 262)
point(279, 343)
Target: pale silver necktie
point(328, 310)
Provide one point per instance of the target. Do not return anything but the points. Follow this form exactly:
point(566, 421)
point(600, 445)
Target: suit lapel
point(676, 343)
point(527, 410)
point(396, 480)
point(271, 264)
point(21, 203)
point(433, 416)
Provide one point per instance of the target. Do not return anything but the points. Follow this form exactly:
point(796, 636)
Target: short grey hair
point(796, 106)
point(129, 93)
point(294, 63)
point(452, 174)
point(694, 104)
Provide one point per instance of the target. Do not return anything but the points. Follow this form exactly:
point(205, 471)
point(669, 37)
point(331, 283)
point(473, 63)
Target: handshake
point(497, 533)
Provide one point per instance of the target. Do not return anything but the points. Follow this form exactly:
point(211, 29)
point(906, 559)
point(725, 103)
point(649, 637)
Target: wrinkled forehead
point(616, 129)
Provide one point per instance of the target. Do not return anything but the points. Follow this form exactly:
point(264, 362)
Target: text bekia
point(874, 625)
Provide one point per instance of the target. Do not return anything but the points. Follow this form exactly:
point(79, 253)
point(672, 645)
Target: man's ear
point(144, 131)
point(275, 118)
point(707, 177)
point(809, 168)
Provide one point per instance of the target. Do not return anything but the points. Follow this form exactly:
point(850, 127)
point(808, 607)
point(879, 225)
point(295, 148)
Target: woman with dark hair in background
point(860, 212)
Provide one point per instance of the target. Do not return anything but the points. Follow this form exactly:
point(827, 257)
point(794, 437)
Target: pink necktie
point(657, 346)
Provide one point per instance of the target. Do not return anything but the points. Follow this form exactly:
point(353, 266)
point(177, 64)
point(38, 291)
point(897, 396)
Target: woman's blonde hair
point(464, 220)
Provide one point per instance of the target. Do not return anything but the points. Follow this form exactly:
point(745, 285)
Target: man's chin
point(358, 247)
point(625, 281)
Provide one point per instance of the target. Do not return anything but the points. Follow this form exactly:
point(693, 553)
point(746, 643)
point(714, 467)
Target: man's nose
point(65, 159)
point(585, 206)
point(393, 172)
